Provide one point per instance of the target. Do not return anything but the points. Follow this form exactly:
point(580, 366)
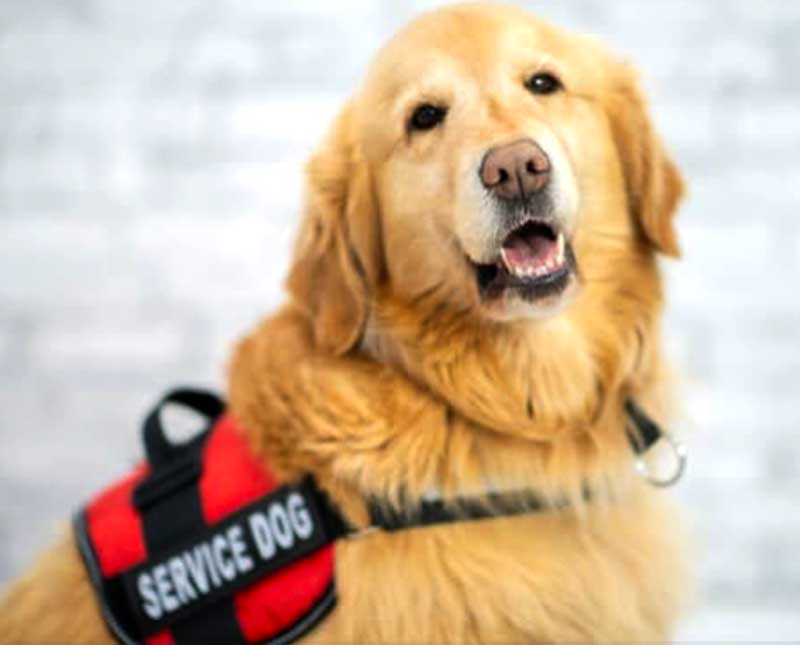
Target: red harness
point(215, 552)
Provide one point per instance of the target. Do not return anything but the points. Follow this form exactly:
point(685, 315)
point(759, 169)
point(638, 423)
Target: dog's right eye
point(543, 83)
point(426, 117)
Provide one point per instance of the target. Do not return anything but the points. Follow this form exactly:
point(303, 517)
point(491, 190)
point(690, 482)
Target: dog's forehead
point(466, 41)
point(469, 55)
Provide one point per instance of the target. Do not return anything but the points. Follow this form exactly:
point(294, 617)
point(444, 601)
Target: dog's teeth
point(508, 265)
point(560, 252)
point(519, 271)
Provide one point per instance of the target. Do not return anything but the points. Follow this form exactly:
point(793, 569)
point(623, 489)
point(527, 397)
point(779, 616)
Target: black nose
point(515, 170)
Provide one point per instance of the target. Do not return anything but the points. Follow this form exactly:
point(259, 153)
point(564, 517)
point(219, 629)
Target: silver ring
point(681, 455)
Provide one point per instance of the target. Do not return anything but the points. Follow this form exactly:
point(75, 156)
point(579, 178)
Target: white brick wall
point(150, 157)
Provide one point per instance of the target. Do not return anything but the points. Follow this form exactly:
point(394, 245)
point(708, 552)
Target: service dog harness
point(202, 545)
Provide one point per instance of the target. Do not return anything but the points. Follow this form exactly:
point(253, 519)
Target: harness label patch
point(246, 546)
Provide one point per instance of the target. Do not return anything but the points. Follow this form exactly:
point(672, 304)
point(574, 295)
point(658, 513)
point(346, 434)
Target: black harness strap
point(169, 503)
point(642, 436)
point(438, 511)
point(647, 432)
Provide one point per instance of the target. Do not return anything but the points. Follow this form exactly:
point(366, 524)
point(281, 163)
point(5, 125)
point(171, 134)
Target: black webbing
point(439, 511)
point(647, 432)
point(171, 511)
point(642, 436)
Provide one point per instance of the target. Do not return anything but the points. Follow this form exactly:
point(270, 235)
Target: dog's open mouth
point(535, 260)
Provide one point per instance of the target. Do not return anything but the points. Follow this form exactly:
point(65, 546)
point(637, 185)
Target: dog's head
point(492, 162)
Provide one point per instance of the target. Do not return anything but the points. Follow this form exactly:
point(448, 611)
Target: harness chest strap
point(203, 545)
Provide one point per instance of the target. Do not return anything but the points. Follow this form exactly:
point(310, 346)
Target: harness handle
point(160, 450)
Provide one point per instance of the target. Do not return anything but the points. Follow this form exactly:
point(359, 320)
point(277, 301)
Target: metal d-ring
point(681, 455)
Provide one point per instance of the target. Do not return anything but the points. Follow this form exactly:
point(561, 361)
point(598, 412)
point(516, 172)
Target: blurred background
point(150, 166)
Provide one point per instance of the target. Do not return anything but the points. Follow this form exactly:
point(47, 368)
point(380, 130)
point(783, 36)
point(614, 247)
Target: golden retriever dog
point(473, 296)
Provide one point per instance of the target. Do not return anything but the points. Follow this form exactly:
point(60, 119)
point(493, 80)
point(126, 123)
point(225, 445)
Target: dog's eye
point(543, 83)
point(426, 117)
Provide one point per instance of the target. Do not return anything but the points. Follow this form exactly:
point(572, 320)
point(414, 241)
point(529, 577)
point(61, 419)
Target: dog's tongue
point(527, 250)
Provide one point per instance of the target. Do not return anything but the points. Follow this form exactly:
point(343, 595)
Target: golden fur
point(382, 376)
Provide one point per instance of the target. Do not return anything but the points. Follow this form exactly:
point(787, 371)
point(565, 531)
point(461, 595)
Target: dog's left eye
point(426, 117)
point(543, 83)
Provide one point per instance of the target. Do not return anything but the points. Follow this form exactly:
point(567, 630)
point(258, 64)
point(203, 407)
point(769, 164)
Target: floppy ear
point(337, 256)
point(653, 182)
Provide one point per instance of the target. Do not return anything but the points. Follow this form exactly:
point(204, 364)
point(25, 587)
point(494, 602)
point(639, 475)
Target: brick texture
point(150, 158)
